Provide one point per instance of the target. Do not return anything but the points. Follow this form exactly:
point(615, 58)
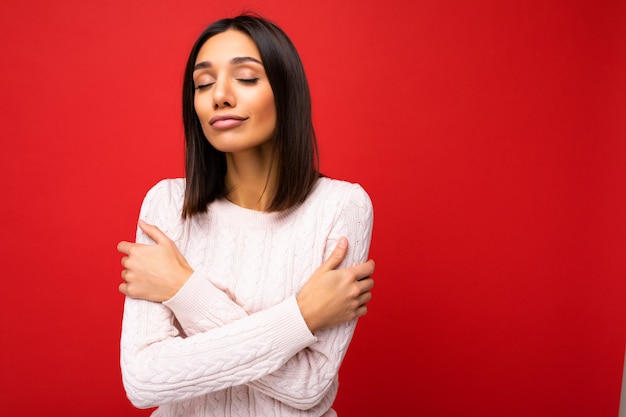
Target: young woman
point(247, 276)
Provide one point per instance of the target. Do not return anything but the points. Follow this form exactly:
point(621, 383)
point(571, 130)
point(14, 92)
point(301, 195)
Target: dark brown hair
point(294, 142)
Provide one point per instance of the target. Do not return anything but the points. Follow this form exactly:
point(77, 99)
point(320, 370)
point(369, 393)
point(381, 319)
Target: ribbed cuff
point(200, 298)
point(290, 332)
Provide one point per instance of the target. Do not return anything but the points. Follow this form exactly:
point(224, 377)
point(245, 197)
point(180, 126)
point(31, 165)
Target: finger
point(337, 255)
point(364, 270)
point(365, 284)
point(153, 232)
point(123, 288)
point(364, 298)
point(124, 246)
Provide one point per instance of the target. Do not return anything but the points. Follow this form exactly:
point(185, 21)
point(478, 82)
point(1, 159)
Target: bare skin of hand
point(153, 272)
point(335, 296)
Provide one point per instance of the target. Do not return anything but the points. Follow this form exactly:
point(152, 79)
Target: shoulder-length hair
point(294, 142)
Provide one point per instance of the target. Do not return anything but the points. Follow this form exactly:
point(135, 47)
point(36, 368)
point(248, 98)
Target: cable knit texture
point(232, 341)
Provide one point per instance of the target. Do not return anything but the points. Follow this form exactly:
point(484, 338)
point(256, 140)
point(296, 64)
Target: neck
point(251, 177)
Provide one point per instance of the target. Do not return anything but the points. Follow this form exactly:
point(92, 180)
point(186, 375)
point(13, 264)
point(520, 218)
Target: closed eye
point(248, 80)
point(203, 86)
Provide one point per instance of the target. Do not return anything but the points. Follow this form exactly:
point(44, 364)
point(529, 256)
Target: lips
point(225, 121)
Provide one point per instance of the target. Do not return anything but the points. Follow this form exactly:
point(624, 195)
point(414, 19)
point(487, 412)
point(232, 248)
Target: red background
point(490, 134)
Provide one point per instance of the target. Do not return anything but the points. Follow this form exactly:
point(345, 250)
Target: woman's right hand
point(153, 272)
point(335, 296)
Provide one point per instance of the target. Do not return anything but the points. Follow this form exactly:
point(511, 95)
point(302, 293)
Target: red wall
point(490, 134)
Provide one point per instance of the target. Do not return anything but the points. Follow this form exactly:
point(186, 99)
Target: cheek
point(198, 106)
point(201, 113)
point(269, 110)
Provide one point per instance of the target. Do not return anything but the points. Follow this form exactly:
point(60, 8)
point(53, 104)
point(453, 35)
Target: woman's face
point(233, 97)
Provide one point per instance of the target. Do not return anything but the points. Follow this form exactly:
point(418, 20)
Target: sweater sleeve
point(160, 364)
point(305, 379)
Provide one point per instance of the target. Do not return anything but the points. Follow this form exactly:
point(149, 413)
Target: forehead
point(221, 48)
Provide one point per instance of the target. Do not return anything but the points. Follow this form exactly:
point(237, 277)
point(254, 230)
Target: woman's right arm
point(160, 365)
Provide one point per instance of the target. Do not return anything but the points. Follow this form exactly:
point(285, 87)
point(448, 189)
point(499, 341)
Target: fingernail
point(342, 243)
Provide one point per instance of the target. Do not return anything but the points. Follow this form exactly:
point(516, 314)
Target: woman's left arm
point(305, 379)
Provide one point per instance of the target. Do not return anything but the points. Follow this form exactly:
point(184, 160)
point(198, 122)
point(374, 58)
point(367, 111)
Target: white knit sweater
point(232, 341)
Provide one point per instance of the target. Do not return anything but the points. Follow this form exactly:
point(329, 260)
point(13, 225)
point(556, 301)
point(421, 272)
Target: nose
point(223, 95)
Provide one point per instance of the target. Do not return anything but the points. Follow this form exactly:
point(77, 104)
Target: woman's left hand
point(153, 272)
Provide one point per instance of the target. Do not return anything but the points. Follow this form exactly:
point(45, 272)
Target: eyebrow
point(236, 60)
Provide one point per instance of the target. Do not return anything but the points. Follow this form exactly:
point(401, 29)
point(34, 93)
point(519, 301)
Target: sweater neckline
point(235, 214)
point(243, 216)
